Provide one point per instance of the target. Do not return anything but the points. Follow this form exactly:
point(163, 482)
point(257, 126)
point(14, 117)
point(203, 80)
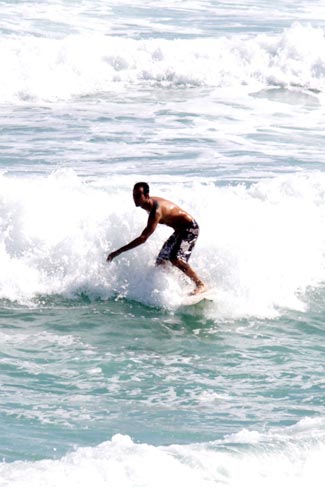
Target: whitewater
point(105, 376)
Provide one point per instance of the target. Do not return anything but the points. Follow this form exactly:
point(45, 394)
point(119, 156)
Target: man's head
point(140, 193)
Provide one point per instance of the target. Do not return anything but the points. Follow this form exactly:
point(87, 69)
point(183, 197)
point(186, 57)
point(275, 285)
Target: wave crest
point(41, 69)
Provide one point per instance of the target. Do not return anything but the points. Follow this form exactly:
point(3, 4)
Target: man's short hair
point(144, 186)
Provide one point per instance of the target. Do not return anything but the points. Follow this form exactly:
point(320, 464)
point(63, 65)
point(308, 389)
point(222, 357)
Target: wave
point(38, 69)
point(262, 246)
point(291, 456)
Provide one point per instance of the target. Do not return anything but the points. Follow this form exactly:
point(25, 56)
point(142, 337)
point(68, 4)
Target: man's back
point(171, 214)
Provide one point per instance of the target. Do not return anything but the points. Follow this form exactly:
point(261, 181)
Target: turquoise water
point(106, 377)
point(74, 369)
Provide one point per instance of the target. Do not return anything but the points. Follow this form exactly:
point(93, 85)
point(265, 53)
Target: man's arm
point(153, 221)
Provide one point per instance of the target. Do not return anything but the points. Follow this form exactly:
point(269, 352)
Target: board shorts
point(180, 244)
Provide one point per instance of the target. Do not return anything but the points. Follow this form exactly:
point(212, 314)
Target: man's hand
point(112, 256)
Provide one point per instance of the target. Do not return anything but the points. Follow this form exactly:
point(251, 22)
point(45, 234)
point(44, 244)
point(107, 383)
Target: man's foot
point(200, 288)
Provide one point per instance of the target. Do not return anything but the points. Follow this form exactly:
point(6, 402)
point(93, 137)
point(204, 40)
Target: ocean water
point(106, 379)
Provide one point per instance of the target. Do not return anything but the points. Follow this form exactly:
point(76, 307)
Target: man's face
point(138, 196)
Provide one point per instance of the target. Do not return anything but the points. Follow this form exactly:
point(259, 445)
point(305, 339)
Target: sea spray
point(38, 69)
point(261, 245)
point(246, 458)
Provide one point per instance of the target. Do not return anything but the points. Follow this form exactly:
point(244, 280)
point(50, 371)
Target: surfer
point(178, 248)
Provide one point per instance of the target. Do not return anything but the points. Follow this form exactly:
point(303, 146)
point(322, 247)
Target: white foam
point(37, 69)
point(121, 462)
point(261, 246)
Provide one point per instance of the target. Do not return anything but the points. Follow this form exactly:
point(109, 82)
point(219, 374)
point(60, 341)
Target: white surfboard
point(191, 299)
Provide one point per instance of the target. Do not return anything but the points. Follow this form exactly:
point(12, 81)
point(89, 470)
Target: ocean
point(106, 378)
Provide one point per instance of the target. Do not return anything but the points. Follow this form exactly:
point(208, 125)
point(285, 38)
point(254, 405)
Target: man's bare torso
point(170, 214)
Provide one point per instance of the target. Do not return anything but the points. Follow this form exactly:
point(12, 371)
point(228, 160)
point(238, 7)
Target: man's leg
point(189, 272)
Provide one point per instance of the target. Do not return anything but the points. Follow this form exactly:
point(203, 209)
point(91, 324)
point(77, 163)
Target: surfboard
point(191, 299)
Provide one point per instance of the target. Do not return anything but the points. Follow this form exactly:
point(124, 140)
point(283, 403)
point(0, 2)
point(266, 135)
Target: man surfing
point(178, 248)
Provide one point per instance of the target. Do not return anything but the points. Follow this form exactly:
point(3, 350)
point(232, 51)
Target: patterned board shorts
point(180, 244)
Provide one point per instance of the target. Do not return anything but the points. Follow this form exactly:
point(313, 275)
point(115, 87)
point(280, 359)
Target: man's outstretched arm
point(135, 243)
point(150, 228)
